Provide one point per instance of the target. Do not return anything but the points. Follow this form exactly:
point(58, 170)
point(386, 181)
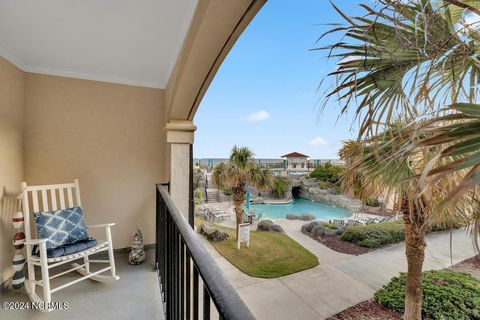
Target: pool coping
point(276, 202)
point(280, 202)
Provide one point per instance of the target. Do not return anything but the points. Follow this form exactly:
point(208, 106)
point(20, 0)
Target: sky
point(265, 97)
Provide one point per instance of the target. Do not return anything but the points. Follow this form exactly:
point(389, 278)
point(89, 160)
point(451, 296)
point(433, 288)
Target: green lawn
point(271, 254)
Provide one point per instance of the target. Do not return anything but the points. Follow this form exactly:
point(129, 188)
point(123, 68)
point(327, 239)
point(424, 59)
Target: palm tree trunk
point(238, 215)
point(238, 198)
point(415, 252)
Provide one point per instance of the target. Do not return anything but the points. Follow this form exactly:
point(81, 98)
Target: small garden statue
point(137, 255)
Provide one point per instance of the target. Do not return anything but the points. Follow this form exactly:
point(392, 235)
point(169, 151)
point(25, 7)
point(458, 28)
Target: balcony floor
point(135, 296)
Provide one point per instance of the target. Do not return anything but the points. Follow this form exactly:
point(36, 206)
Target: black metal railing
point(206, 189)
point(184, 265)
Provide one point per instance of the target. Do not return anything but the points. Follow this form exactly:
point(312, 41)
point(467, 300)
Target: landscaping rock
point(218, 236)
point(265, 225)
point(307, 228)
point(212, 233)
point(268, 225)
point(291, 216)
point(321, 230)
point(314, 190)
point(307, 217)
point(277, 228)
point(310, 182)
point(207, 229)
point(318, 230)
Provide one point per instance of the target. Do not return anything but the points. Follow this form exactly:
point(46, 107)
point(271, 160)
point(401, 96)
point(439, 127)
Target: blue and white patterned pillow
point(61, 227)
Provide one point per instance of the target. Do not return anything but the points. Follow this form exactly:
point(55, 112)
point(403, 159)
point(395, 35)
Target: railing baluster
point(170, 269)
point(195, 292)
point(164, 247)
point(187, 287)
point(176, 268)
point(206, 303)
point(182, 280)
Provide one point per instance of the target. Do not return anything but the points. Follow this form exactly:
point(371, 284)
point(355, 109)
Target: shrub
point(280, 186)
point(227, 192)
point(446, 295)
point(375, 235)
point(324, 185)
point(329, 226)
point(328, 172)
point(198, 198)
point(372, 203)
point(438, 226)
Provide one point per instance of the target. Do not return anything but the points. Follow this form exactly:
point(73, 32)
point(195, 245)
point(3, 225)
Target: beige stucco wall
point(109, 136)
point(11, 156)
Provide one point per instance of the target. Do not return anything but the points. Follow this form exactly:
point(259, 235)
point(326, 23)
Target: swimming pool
point(298, 207)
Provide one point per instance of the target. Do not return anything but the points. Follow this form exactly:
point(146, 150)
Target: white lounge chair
point(59, 196)
point(218, 214)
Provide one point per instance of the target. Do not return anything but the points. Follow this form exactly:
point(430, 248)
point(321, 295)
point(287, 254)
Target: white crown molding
point(77, 75)
point(12, 59)
point(93, 77)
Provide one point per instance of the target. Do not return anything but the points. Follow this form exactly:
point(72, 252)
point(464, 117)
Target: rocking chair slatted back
point(48, 198)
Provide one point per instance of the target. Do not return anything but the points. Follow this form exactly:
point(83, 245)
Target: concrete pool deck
point(230, 222)
point(339, 281)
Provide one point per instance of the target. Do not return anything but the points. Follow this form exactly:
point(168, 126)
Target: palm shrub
point(239, 172)
point(280, 186)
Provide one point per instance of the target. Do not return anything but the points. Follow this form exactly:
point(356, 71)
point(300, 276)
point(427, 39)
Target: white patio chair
point(48, 198)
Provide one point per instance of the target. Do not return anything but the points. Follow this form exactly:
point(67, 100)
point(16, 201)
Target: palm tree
point(371, 163)
point(237, 174)
point(403, 62)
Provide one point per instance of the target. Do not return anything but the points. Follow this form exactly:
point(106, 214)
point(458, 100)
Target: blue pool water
point(298, 207)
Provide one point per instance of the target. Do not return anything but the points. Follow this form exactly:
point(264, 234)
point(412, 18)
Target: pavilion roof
point(295, 155)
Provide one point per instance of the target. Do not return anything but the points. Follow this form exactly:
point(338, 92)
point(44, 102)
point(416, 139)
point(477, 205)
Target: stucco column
point(180, 134)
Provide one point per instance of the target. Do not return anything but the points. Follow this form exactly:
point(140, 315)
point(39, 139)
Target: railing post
point(191, 202)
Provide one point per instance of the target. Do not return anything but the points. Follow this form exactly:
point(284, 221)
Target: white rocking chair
point(60, 196)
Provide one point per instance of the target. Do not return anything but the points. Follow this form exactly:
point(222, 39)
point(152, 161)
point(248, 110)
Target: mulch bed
point(471, 266)
point(367, 310)
point(334, 243)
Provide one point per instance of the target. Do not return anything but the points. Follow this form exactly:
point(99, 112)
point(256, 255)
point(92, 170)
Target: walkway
point(340, 280)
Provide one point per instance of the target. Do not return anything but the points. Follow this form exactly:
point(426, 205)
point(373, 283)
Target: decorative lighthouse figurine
point(137, 255)
point(18, 261)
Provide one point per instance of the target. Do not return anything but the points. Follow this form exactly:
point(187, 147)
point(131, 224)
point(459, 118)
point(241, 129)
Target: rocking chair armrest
point(33, 242)
point(102, 225)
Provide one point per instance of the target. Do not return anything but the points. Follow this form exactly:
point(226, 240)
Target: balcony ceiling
point(122, 41)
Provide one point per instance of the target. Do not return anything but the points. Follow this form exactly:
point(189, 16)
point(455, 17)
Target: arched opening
point(296, 192)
